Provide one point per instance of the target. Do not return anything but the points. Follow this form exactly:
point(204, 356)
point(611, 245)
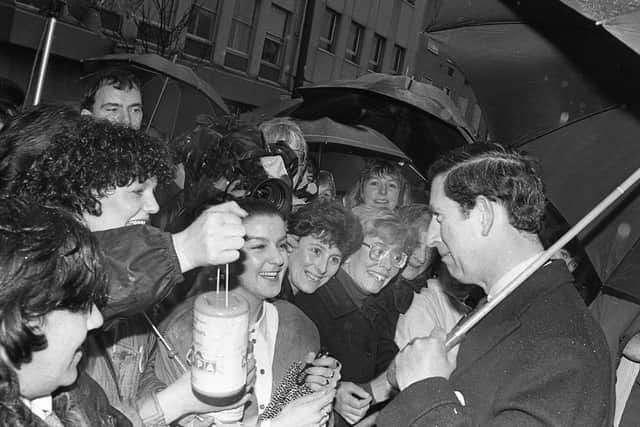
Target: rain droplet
point(564, 83)
point(624, 230)
point(564, 117)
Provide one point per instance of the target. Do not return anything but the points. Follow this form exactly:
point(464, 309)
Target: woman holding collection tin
point(287, 391)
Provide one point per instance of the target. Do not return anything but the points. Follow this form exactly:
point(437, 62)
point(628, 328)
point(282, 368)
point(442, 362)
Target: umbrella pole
point(457, 334)
point(164, 88)
point(45, 60)
point(155, 108)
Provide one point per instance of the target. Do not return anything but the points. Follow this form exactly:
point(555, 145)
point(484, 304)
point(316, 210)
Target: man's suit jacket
point(538, 359)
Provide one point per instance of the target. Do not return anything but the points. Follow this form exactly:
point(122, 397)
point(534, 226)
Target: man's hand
point(352, 402)
point(214, 238)
point(425, 358)
point(632, 349)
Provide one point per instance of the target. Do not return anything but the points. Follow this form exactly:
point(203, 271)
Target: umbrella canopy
point(419, 118)
point(552, 83)
point(174, 91)
point(533, 66)
point(327, 131)
point(620, 17)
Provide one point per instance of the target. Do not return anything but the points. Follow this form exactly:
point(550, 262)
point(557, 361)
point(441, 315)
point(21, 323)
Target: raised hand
point(214, 238)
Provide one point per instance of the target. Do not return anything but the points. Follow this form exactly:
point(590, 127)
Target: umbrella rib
point(572, 122)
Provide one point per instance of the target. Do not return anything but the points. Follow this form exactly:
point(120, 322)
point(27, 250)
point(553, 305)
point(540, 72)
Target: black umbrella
point(551, 82)
point(419, 118)
point(173, 94)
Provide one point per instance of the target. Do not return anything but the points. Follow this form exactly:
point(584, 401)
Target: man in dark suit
point(538, 358)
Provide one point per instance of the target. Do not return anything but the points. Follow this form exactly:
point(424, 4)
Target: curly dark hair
point(330, 222)
point(78, 169)
point(27, 135)
point(500, 174)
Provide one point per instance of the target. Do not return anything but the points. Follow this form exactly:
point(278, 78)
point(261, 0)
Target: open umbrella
point(419, 118)
point(620, 17)
point(344, 149)
point(173, 94)
point(550, 82)
point(327, 131)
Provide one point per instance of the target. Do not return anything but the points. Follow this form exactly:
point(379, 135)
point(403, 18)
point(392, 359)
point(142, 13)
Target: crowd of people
point(350, 295)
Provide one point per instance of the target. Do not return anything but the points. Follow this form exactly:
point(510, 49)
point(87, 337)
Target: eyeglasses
point(378, 251)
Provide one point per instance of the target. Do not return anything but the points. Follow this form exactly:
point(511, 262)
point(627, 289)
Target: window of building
point(433, 47)
point(354, 42)
point(398, 59)
point(329, 32)
point(110, 20)
point(242, 25)
point(243, 20)
point(450, 71)
point(377, 53)
point(201, 30)
point(274, 44)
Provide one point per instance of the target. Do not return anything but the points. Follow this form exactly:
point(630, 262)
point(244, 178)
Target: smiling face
point(452, 233)
point(381, 191)
point(312, 264)
point(56, 365)
point(124, 206)
point(264, 256)
point(369, 275)
point(118, 106)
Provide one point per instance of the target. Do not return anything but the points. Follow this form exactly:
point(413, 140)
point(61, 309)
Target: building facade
point(251, 51)
point(434, 67)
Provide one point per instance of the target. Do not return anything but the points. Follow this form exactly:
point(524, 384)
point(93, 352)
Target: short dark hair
point(49, 261)
point(78, 169)
point(27, 135)
point(119, 78)
point(501, 174)
point(256, 207)
point(330, 222)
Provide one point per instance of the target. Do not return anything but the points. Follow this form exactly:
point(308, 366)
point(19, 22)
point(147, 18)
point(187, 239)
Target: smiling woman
point(322, 235)
point(105, 172)
point(280, 333)
point(50, 284)
point(354, 324)
point(380, 185)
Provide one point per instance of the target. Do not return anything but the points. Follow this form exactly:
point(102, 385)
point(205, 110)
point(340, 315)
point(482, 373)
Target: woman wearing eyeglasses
point(352, 325)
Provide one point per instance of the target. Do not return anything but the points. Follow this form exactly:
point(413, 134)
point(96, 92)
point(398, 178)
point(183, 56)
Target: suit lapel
point(504, 319)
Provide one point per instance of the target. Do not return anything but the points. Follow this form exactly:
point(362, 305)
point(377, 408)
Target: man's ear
point(85, 112)
point(485, 210)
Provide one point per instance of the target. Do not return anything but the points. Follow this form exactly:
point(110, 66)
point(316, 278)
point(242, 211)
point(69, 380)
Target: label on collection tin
point(220, 337)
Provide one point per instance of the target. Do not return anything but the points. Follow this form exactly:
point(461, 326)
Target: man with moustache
point(537, 359)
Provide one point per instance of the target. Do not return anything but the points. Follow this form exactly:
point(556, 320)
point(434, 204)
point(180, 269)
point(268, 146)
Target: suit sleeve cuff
point(417, 401)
